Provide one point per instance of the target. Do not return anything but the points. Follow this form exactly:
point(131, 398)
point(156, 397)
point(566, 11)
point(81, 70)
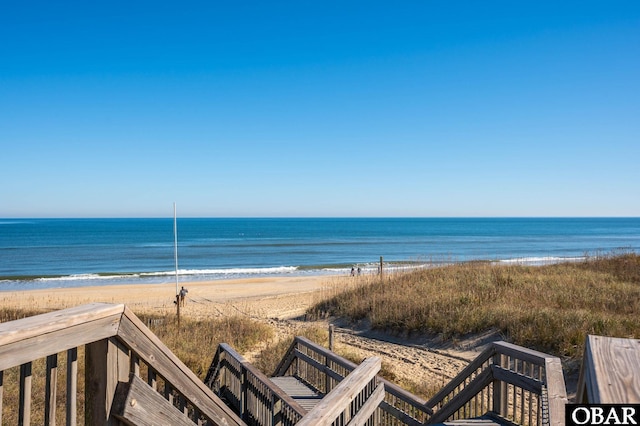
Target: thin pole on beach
point(175, 243)
point(175, 255)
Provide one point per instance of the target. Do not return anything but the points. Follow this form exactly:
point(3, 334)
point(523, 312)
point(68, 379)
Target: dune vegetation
point(549, 308)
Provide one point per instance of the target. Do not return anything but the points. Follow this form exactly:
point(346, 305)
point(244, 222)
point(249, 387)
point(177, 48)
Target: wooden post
point(381, 266)
point(72, 386)
point(107, 363)
point(328, 380)
point(243, 393)
point(24, 414)
point(51, 388)
point(2, 393)
point(500, 401)
point(331, 331)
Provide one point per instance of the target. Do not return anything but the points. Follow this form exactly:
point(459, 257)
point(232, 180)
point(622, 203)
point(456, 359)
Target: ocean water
point(47, 253)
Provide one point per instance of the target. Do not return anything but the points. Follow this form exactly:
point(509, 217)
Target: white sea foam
point(181, 272)
point(84, 277)
point(228, 271)
point(536, 261)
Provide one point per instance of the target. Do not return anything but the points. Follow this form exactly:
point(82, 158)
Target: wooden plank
point(1, 393)
point(51, 322)
point(136, 403)
point(581, 391)
point(20, 349)
point(106, 364)
point(24, 411)
point(369, 407)
point(517, 379)
point(556, 391)
point(342, 362)
point(499, 391)
point(341, 396)
point(72, 387)
point(51, 388)
point(303, 396)
point(152, 351)
point(521, 353)
point(611, 366)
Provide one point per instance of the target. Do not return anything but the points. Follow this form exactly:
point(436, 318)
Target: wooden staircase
point(505, 384)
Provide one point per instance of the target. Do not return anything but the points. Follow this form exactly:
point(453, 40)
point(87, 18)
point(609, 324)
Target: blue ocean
point(47, 253)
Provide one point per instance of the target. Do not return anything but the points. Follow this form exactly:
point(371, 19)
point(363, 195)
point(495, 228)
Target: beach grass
point(549, 308)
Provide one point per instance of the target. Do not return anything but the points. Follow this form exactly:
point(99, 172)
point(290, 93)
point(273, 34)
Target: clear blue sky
point(323, 108)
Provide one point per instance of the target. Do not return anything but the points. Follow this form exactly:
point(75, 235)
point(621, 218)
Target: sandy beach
point(277, 301)
point(273, 296)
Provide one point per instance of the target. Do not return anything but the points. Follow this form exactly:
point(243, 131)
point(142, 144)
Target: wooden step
point(300, 392)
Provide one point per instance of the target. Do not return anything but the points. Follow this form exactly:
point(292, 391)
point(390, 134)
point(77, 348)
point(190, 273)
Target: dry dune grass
point(550, 308)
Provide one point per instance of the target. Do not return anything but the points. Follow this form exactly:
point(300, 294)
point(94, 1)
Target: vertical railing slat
point(51, 389)
point(152, 379)
point(24, 412)
point(134, 364)
point(72, 387)
point(1, 393)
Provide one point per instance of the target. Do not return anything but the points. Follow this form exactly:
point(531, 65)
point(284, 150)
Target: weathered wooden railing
point(324, 370)
point(129, 374)
point(353, 402)
point(249, 392)
point(259, 401)
point(523, 386)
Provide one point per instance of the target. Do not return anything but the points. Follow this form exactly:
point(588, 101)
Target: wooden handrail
point(148, 347)
point(115, 343)
point(522, 385)
point(341, 398)
point(35, 337)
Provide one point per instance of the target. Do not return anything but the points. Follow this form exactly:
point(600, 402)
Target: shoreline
point(190, 277)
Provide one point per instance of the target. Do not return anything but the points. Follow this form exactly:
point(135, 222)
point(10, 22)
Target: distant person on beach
point(183, 295)
point(353, 271)
point(359, 271)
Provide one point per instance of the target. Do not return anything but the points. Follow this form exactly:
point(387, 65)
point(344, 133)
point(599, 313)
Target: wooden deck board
point(301, 393)
point(609, 371)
